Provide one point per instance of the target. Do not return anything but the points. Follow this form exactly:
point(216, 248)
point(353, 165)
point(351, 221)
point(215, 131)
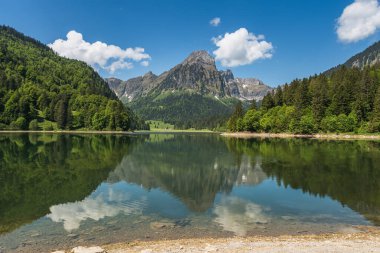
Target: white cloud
point(98, 54)
point(239, 216)
point(144, 63)
point(359, 20)
point(215, 21)
point(120, 64)
point(241, 48)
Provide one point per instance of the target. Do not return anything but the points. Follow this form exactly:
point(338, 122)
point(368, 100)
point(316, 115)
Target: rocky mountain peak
point(249, 81)
point(149, 74)
point(227, 75)
point(200, 57)
point(113, 82)
point(198, 73)
point(367, 58)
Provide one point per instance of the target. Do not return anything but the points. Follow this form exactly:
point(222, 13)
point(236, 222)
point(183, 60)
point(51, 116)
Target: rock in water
point(94, 249)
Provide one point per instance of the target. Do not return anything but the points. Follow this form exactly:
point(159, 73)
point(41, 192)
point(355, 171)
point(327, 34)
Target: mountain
point(41, 90)
point(193, 93)
point(248, 88)
point(134, 87)
point(367, 58)
point(197, 73)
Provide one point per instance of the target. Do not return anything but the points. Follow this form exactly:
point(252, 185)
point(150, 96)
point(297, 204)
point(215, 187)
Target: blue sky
point(302, 34)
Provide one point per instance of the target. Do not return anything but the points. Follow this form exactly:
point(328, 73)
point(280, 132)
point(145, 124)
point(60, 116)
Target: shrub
point(19, 124)
point(251, 121)
point(33, 125)
point(48, 127)
point(307, 125)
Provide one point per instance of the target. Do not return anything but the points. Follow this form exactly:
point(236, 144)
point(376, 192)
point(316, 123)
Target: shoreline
point(366, 240)
point(247, 135)
point(240, 135)
point(63, 132)
point(164, 131)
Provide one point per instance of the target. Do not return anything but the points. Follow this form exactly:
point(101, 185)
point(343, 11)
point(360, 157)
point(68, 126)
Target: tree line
point(346, 100)
point(40, 90)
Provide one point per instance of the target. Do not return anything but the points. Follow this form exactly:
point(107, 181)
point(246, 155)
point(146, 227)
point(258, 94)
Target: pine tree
point(374, 125)
point(365, 96)
point(319, 97)
point(236, 117)
point(238, 113)
point(278, 97)
point(301, 97)
point(253, 105)
point(61, 112)
point(267, 102)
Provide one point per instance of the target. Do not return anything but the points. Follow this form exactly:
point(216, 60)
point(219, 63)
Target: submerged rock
point(72, 236)
point(94, 249)
point(159, 225)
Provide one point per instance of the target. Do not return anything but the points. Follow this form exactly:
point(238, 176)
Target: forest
point(40, 90)
point(346, 100)
point(185, 109)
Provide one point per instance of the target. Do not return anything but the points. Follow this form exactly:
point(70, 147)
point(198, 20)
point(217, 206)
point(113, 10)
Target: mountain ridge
point(369, 57)
point(197, 72)
point(193, 93)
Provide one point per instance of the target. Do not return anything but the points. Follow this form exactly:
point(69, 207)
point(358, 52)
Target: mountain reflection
point(71, 178)
point(193, 168)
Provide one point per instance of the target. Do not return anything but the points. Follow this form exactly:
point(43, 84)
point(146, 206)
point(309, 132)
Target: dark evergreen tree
point(235, 121)
point(268, 101)
point(365, 95)
point(301, 97)
point(253, 105)
point(61, 112)
point(374, 125)
point(238, 113)
point(319, 97)
point(278, 97)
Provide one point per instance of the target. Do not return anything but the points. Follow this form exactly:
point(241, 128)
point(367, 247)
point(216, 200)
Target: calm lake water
point(60, 191)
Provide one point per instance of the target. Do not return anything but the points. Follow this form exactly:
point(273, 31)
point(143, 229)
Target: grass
point(160, 126)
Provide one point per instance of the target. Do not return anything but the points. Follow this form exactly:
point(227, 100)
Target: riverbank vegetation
point(347, 100)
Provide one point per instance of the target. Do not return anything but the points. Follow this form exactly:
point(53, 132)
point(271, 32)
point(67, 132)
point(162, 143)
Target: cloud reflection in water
point(107, 203)
point(239, 216)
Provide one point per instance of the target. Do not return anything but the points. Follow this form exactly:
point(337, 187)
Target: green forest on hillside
point(185, 109)
point(347, 100)
point(40, 90)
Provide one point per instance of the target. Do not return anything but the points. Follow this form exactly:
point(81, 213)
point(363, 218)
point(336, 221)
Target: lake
point(58, 191)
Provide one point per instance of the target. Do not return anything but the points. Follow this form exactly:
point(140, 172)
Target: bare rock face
point(367, 58)
point(196, 73)
point(134, 87)
point(251, 88)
